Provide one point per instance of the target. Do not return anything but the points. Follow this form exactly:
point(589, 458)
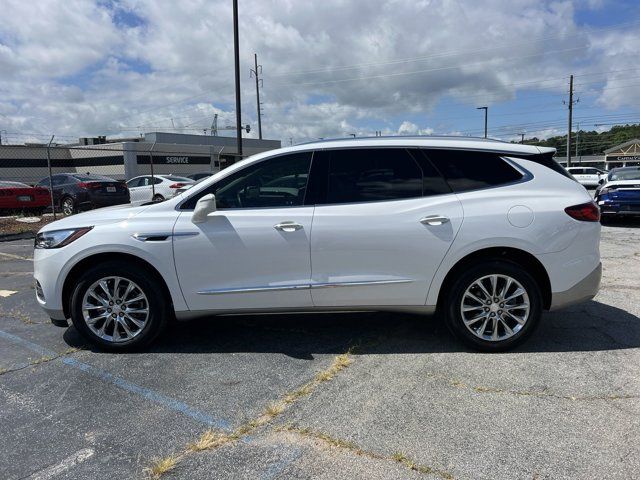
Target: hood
point(100, 216)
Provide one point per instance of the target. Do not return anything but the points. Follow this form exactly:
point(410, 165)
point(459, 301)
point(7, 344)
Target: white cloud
point(330, 68)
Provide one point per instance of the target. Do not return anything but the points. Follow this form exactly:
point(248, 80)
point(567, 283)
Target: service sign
point(174, 159)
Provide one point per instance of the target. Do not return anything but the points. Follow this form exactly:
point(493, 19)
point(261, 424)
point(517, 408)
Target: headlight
point(59, 238)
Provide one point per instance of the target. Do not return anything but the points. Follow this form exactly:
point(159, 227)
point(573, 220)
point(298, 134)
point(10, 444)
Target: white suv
point(588, 176)
point(488, 234)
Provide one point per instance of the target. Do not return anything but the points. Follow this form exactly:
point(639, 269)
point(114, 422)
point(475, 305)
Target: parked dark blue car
point(620, 195)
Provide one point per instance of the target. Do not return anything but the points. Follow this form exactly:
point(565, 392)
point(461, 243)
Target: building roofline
point(622, 145)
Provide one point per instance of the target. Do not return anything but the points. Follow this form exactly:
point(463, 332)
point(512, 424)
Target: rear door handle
point(287, 226)
point(434, 220)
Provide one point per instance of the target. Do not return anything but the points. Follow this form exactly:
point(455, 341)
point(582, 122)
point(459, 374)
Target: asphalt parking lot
point(326, 396)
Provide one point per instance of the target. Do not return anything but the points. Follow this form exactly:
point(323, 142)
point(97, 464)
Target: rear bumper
point(97, 202)
point(617, 206)
point(582, 291)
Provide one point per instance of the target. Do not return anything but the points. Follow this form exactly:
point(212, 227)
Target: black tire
point(607, 219)
point(157, 198)
point(454, 298)
point(158, 305)
point(68, 206)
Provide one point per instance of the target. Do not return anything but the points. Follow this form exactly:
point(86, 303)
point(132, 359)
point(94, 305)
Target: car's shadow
point(625, 222)
point(592, 326)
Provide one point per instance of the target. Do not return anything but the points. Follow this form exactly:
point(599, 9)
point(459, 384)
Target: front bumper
point(582, 291)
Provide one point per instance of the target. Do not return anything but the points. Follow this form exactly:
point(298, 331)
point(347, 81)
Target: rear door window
point(466, 170)
point(370, 175)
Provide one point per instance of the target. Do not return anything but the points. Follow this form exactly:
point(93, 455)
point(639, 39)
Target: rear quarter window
point(470, 170)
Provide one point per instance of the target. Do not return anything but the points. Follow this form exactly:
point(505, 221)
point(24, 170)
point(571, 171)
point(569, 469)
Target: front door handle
point(287, 226)
point(434, 220)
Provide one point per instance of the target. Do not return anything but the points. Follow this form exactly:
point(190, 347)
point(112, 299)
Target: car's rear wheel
point(68, 206)
point(158, 198)
point(494, 306)
point(119, 307)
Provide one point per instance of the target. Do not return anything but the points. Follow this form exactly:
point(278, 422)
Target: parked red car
point(20, 196)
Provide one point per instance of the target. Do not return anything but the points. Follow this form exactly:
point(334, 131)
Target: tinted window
point(261, 185)
point(89, 178)
point(13, 184)
point(370, 175)
point(173, 178)
point(468, 170)
point(134, 182)
point(59, 179)
point(591, 171)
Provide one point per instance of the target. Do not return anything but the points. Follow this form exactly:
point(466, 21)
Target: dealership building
point(122, 159)
point(626, 154)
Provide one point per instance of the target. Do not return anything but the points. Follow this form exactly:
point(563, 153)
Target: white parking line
point(7, 293)
point(71, 461)
point(16, 257)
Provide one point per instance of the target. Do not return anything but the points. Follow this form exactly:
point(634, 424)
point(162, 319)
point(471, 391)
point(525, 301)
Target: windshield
point(625, 175)
point(173, 178)
point(13, 184)
point(91, 178)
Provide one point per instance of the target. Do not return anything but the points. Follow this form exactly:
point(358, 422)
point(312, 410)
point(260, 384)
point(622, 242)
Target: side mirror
point(204, 207)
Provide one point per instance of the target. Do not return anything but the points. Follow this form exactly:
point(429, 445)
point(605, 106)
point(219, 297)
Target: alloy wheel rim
point(67, 207)
point(115, 309)
point(495, 307)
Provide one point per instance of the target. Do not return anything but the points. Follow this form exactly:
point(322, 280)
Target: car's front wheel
point(119, 307)
point(68, 206)
point(494, 306)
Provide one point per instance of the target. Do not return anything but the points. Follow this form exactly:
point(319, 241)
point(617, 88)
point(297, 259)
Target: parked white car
point(146, 188)
point(488, 234)
point(588, 176)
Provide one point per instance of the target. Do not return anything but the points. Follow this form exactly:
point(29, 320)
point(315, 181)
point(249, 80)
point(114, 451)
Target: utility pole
point(236, 47)
point(578, 141)
point(570, 121)
point(486, 114)
point(53, 205)
point(258, 85)
point(522, 141)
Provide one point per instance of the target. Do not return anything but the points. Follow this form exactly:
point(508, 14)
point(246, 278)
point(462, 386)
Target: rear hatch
point(107, 188)
point(27, 196)
point(625, 193)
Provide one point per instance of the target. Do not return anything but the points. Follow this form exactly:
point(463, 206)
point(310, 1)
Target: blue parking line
point(275, 469)
point(45, 352)
point(155, 397)
point(150, 395)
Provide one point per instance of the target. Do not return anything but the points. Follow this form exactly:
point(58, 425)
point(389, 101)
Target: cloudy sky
point(330, 68)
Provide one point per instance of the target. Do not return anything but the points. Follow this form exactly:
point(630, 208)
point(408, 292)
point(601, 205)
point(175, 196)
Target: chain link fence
point(65, 179)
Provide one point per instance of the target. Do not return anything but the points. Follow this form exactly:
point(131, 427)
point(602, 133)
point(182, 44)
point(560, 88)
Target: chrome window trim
point(302, 286)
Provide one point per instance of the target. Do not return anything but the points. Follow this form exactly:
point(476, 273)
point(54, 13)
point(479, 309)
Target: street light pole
point(236, 47)
point(486, 114)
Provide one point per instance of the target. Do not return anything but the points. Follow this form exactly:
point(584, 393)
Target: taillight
point(585, 212)
point(89, 185)
point(177, 185)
